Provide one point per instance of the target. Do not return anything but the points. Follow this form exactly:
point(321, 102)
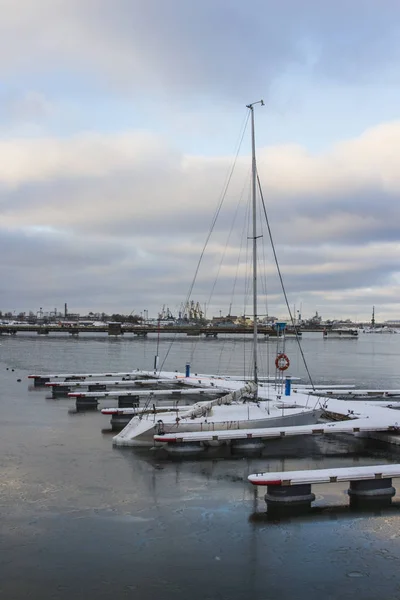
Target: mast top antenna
point(253, 103)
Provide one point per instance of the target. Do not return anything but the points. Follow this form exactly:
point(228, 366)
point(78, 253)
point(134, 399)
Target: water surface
point(82, 519)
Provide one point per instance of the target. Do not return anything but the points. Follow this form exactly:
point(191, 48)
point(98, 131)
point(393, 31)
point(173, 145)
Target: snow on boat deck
point(139, 410)
point(360, 417)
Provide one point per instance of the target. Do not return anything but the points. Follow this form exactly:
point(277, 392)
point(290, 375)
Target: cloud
point(88, 155)
point(116, 214)
point(113, 183)
point(24, 107)
point(115, 220)
point(201, 48)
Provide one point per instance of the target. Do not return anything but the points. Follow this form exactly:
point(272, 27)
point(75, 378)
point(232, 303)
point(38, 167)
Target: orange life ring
point(282, 362)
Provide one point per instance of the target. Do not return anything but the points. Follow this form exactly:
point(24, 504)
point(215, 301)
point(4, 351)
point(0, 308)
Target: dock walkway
point(287, 489)
point(325, 475)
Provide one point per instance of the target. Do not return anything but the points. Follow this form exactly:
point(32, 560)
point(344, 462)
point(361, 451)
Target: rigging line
point(247, 283)
point(158, 338)
point(244, 357)
point(242, 238)
point(218, 210)
point(241, 242)
point(262, 275)
point(319, 399)
point(247, 273)
point(220, 356)
point(243, 250)
point(229, 357)
point(263, 271)
point(238, 206)
point(282, 285)
point(213, 222)
point(167, 353)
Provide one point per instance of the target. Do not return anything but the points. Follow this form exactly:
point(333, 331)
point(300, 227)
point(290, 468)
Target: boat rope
point(233, 222)
point(282, 284)
point(213, 222)
point(218, 209)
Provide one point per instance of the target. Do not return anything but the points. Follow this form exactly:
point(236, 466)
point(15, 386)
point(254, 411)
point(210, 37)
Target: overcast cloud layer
point(119, 124)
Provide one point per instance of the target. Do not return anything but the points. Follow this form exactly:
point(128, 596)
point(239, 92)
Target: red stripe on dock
point(265, 482)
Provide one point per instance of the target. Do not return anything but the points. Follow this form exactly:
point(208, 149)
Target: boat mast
point(254, 236)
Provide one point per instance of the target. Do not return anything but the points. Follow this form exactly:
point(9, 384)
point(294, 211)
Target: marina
point(199, 316)
point(351, 411)
point(243, 412)
point(240, 399)
point(378, 414)
point(240, 412)
point(98, 497)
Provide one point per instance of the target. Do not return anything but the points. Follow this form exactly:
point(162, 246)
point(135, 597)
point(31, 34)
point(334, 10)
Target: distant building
point(228, 321)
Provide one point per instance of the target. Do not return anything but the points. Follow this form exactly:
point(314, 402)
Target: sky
point(120, 123)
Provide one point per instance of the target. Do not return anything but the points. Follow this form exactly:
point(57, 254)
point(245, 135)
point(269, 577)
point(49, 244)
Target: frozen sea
point(81, 519)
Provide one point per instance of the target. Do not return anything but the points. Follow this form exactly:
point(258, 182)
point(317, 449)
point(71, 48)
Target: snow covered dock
point(293, 488)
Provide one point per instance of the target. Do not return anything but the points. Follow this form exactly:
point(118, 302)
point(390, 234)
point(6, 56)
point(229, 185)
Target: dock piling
point(371, 490)
point(293, 495)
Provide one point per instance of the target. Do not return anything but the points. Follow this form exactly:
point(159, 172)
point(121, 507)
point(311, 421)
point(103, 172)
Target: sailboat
point(246, 404)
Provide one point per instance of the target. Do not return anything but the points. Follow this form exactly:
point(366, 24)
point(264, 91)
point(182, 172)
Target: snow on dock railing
point(80, 376)
point(170, 375)
point(116, 382)
point(139, 410)
point(334, 475)
point(136, 372)
point(348, 392)
point(176, 376)
point(149, 393)
point(291, 490)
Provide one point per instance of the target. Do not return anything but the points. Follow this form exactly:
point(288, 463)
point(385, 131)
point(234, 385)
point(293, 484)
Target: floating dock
point(149, 393)
point(63, 388)
point(41, 380)
point(293, 488)
point(227, 435)
point(351, 415)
